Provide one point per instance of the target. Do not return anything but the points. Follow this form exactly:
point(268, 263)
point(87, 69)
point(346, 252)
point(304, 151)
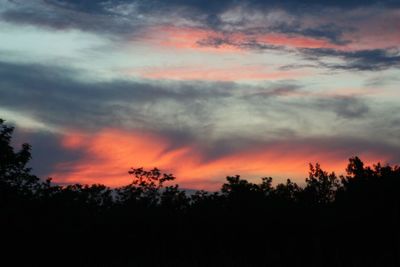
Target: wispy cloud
point(361, 60)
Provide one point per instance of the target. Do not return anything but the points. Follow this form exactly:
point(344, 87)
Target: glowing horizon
point(108, 161)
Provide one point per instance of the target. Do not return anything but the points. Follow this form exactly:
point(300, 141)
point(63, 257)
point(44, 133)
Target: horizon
point(200, 90)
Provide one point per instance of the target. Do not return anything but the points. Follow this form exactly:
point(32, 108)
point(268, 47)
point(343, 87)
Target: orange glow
point(295, 41)
point(110, 153)
point(186, 38)
point(189, 38)
point(250, 73)
point(73, 141)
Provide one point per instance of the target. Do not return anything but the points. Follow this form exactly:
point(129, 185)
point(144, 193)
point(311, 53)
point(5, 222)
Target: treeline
point(350, 220)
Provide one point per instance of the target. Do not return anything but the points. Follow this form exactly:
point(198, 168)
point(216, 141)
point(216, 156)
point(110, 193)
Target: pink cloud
point(110, 153)
point(169, 37)
point(241, 73)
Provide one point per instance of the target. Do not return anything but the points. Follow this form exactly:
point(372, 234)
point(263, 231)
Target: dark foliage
point(350, 220)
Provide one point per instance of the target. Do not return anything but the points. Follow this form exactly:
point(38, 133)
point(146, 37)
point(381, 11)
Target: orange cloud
point(190, 38)
point(110, 153)
point(242, 73)
point(294, 41)
point(185, 38)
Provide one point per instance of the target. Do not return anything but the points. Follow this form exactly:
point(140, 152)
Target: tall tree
point(15, 176)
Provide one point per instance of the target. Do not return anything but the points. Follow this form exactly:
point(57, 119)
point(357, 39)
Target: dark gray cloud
point(130, 16)
point(360, 60)
point(330, 32)
point(283, 88)
point(57, 97)
point(298, 66)
point(47, 150)
point(347, 107)
point(344, 106)
point(213, 7)
point(382, 81)
point(249, 44)
point(53, 15)
point(183, 112)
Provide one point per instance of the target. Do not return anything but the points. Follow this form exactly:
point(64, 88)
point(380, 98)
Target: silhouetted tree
point(321, 186)
point(347, 221)
point(145, 187)
point(173, 198)
point(15, 176)
point(241, 194)
point(288, 192)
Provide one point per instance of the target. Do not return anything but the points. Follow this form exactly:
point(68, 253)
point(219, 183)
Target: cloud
point(382, 81)
point(60, 98)
point(113, 18)
point(338, 30)
point(128, 16)
point(361, 60)
point(278, 89)
point(331, 32)
point(195, 129)
point(266, 42)
point(224, 89)
point(47, 151)
point(57, 97)
point(60, 17)
point(214, 7)
point(207, 73)
point(345, 106)
point(319, 51)
point(110, 153)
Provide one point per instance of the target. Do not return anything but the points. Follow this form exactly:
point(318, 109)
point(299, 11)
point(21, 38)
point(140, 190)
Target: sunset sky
point(200, 89)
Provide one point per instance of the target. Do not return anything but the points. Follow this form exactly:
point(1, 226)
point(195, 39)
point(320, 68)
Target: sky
point(200, 89)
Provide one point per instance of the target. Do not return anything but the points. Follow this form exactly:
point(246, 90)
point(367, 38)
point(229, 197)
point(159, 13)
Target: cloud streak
point(361, 60)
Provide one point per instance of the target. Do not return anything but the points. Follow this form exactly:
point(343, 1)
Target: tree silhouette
point(321, 186)
point(351, 220)
point(145, 187)
point(15, 176)
point(288, 192)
